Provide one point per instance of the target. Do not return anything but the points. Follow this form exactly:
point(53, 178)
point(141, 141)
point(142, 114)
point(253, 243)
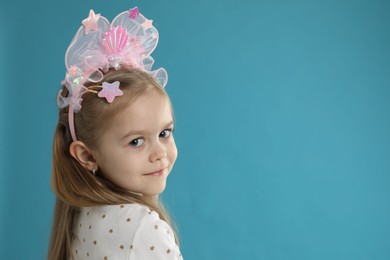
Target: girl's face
point(138, 151)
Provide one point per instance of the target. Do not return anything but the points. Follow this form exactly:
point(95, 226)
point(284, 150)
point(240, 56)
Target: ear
point(83, 155)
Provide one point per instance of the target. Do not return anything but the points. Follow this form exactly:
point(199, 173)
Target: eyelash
point(169, 130)
point(132, 142)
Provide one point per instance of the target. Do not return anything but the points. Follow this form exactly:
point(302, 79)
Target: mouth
point(157, 173)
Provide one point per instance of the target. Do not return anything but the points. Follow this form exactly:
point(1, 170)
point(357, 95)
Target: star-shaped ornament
point(147, 24)
point(110, 91)
point(73, 70)
point(133, 13)
point(91, 22)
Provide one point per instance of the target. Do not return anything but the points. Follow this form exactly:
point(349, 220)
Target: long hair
point(73, 185)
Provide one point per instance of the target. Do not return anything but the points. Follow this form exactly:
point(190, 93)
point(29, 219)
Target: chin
point(155, 191)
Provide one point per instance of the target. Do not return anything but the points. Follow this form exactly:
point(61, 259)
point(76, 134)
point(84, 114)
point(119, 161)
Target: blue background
point(283, 123)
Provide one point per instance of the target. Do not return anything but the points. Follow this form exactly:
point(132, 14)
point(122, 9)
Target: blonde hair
point(75, 186)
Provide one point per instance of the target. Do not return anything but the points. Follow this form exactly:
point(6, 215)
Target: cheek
point(173, 152)
point(123, 172)
point(116, 164)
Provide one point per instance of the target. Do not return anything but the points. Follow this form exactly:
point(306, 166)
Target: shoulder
point(117, 210)
point(121, 231)
point(154, 239)
point(125, 217)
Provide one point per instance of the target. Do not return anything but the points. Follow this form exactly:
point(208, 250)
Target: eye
point(137, 142)
point(166, 133)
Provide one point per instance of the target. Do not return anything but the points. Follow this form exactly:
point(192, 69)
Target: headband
point(98, 46)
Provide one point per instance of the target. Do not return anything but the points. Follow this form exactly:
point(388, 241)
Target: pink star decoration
point(134, 13)
point(91, 22)
point(110, 91)
point(147, 24)
point(73, 70)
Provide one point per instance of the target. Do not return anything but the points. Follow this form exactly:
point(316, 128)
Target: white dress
point(129, 231)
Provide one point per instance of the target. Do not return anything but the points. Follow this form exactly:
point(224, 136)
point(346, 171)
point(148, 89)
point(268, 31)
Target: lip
point(157, 173)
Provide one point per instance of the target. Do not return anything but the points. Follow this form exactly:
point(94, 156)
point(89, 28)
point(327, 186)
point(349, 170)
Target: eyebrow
point(138, 132)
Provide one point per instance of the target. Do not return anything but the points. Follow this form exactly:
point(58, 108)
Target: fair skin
point(138, 151)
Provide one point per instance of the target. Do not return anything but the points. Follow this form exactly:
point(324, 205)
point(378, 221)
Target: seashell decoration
point(115, 40)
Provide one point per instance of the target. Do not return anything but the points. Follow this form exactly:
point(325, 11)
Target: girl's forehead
point(147, 112)
point(149, 104)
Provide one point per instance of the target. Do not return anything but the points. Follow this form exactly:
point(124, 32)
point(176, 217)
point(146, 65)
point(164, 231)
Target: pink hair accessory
point(147, 24)
point(99, 45)
point(91, 22)
point(134, 12)
point(110, 91)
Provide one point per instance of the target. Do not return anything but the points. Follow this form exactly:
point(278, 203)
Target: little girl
point(113, 146)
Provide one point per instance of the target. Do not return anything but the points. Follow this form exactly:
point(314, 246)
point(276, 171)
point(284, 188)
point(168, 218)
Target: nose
point(158, 151)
